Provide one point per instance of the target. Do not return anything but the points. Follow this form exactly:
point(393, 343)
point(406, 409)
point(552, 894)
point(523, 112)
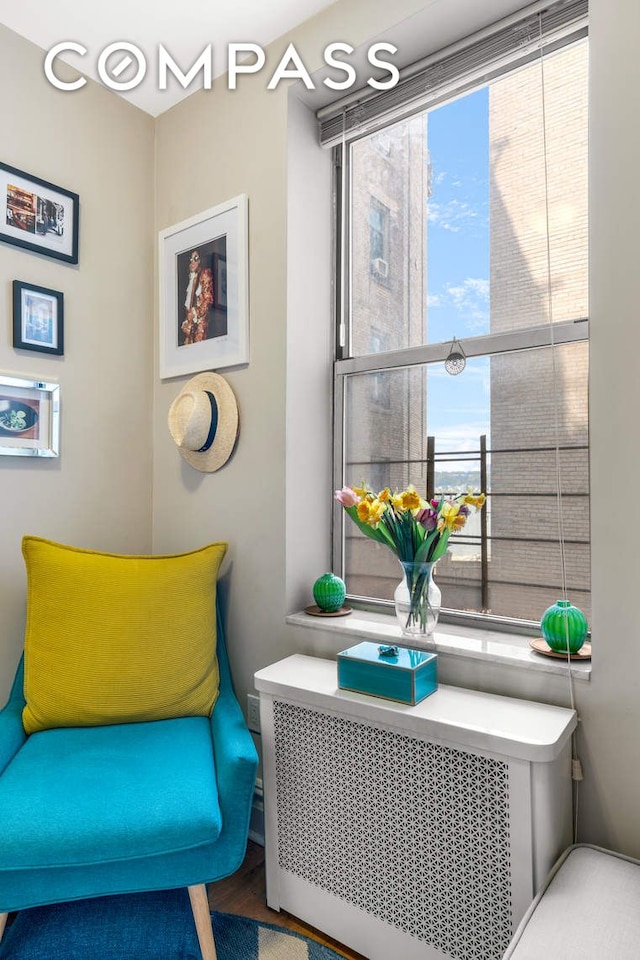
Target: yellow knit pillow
point(118, 639)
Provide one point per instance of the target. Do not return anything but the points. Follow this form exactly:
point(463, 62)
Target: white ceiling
point(183, 30)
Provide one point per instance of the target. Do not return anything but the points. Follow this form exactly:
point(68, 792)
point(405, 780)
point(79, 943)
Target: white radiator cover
point(409, 833)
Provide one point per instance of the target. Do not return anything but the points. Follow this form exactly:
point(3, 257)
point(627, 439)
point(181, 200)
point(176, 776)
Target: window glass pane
point(545, 281)
point(449, 222)
point(387, 282)
point(458, 210)
point(496, 422)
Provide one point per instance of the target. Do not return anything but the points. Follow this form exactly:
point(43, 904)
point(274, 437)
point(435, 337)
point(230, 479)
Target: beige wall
point(210, 148)
point(612, 724)
point(97, 494)
point(261, 586)
point(214, 146)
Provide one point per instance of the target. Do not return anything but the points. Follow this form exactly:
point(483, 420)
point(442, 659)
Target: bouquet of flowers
point(416, 530)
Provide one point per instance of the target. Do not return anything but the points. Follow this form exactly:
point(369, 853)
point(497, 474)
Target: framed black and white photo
point(38, 318)
point(29, 418)
point(37, 215)
point(204, 291)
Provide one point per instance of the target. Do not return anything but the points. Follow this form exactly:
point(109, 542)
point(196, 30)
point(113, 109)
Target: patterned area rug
point(153, 926)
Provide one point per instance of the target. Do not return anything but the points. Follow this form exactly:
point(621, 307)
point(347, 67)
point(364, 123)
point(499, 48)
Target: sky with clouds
point(458, 266)
point(458, 219)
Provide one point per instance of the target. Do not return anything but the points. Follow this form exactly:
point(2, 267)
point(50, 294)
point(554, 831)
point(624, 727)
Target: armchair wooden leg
point(202, 917)
point(3, 923)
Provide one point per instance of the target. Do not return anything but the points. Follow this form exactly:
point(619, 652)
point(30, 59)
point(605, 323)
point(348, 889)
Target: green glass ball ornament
point(329, 592)
point(563, 622)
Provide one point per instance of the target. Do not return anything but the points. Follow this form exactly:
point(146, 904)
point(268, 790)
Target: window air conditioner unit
point(380, 267)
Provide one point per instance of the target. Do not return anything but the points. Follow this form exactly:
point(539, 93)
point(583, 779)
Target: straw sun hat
point(203, 421)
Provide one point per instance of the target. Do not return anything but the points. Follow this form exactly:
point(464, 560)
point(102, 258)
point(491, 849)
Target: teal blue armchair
point(132, 807)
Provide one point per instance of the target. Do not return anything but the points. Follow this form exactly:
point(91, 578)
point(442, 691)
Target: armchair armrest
point(12, 735)
point(236, 761)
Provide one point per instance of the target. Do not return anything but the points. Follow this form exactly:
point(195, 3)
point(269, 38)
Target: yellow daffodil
point(450, 518)
point(385, 495)
point(472, 501)
point(411, 499)
point(370, 512)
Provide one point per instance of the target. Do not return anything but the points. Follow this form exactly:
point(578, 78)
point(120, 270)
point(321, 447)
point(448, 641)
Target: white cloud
point(454, 215)
point(470, 299)
point(478, 286)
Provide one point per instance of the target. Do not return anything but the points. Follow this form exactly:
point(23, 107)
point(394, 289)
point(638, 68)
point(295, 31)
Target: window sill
point(450, 640)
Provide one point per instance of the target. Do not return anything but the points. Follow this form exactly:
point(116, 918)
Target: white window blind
point(479, 58)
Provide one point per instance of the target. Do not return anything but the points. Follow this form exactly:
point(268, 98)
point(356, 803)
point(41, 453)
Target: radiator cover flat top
point(515, 728)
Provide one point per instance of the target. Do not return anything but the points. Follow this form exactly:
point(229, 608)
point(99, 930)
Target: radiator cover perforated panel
point(412, 832)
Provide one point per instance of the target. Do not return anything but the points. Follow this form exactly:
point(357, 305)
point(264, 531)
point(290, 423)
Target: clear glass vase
point(417, 600)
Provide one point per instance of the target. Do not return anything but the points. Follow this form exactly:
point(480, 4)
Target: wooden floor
point(244, 894)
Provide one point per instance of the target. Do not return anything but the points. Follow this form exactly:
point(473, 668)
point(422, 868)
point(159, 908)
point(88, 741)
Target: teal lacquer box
point(395, 673)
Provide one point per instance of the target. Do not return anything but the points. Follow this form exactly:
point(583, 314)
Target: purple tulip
point(428, 518)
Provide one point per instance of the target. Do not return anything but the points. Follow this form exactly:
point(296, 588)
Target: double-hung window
point(462, 217)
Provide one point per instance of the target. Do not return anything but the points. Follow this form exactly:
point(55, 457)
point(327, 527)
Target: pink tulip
point(347, 497)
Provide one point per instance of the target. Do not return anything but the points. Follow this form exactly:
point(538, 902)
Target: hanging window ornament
point(456, 361)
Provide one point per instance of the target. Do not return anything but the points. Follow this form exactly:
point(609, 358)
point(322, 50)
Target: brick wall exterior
point(524, 291)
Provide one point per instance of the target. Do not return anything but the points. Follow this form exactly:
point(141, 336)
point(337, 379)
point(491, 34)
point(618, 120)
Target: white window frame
point(380, 115)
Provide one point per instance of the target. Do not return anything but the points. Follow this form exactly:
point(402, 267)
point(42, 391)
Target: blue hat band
point(214, 423)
